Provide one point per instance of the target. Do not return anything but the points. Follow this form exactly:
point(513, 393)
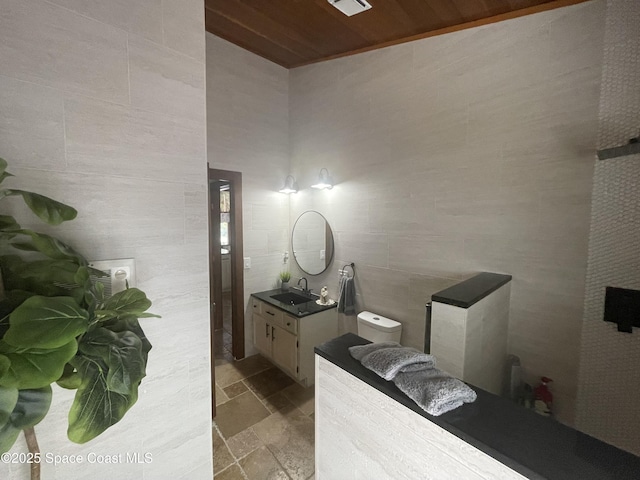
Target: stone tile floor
point(264, 425)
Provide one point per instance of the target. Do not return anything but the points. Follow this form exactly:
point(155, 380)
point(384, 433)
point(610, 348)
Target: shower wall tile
point(196, 224)
point(137, 176)
point(102, 138)
point(165, 82)
point(609, 377)
point(414, 321)
point(32, 124)
point(51, 46)
point(428, 255)
point(142, 17)
point(248, 132)
point(448, 334)
point(471, 151)
point(363, 249)
point(471, 343)
point(183, 27)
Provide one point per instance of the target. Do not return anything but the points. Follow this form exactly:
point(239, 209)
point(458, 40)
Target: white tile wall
point(142, 17)
point(609, 377)
point(51, 46)
point(102, 107)
point(467, 152)
point(471, 343)
point(248, 132)
point(32, 124)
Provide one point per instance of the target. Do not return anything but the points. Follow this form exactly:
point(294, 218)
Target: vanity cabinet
point(288, 341)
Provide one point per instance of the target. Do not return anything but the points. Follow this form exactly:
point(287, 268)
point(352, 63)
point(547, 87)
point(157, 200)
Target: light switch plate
point(121, 274)
point(247, 263)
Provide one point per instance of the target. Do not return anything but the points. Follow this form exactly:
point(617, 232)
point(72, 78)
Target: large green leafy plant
point(57, 326)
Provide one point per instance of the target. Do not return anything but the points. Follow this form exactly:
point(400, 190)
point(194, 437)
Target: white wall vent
point(121, 274)
point(350, 7)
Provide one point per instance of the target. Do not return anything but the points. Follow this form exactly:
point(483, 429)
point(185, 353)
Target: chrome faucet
point(306, 288)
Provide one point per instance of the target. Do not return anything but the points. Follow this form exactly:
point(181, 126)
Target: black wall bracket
point(632, 148)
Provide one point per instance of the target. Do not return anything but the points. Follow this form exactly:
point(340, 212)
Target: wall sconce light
point(290, 185)
point(324, 180)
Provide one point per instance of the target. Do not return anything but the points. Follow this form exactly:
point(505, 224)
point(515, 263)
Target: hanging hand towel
point(347, 296)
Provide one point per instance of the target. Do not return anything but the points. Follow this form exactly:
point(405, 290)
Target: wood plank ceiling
point(293, 33)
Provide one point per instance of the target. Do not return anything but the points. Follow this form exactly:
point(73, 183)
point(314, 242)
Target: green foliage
point(21, 409)
point(285, 276)
point(35, 367)
point(56, 326)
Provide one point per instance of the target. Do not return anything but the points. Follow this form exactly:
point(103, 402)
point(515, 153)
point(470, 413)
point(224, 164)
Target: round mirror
point(312, 243)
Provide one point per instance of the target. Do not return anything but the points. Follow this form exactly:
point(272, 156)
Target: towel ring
point(353, 269)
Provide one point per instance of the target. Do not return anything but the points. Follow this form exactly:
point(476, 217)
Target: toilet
point(378, 328)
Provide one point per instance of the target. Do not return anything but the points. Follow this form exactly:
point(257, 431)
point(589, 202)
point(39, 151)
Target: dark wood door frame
point(215, 265)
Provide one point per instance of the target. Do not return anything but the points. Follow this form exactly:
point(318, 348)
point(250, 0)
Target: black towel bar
point(353, 269)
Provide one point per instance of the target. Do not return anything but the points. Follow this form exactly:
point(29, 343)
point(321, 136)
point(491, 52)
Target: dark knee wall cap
point(534, 446)
point(465, 294)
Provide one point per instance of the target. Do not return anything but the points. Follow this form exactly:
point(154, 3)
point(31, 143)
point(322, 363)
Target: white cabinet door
point(285, 350)
point(262, 335)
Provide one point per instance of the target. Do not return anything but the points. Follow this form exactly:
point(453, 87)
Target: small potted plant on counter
point(284, 279)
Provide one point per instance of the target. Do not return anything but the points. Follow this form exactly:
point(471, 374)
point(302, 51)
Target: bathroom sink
point(291, 298)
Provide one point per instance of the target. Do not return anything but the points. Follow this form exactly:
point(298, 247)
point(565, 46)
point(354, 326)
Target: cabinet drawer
point(271, 314)
point(290, 323)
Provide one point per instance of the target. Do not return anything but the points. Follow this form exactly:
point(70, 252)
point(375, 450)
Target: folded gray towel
point(359, 351)
point(347, 296)
point(434, 391)
point(388, 358)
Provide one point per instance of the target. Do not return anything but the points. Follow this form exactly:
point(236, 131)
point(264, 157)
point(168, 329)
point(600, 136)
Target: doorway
point(226, 282)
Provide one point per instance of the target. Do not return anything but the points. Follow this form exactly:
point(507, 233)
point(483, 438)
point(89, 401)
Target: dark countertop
point(465, 294)
point(535, 446)
point(300, 310)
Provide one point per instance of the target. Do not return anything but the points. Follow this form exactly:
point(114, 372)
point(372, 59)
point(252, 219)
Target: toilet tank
point(378, 328)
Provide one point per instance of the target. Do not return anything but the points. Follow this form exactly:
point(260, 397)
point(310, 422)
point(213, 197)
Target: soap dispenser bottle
point(544, 398)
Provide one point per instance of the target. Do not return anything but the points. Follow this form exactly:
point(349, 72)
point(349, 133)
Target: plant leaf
point(3, 170)
point(5, 364)
point(30, 409)
point(46, 322)
point(129, 323)
point(35, 367)
point(47, 209)
point(127, 302)
point(81, 277)
point(70, 378)
point(4, 176)
point(8, 223)
point(8, 400)
point(122, 354)
point(12, 299)
point(61, 272)
point(8, 436)
point(11, 266)
point(95, 408)
point(24, 246)
point(49, 246)
point(33, 405)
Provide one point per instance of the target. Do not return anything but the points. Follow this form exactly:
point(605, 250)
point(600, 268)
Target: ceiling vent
point(350, 7)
